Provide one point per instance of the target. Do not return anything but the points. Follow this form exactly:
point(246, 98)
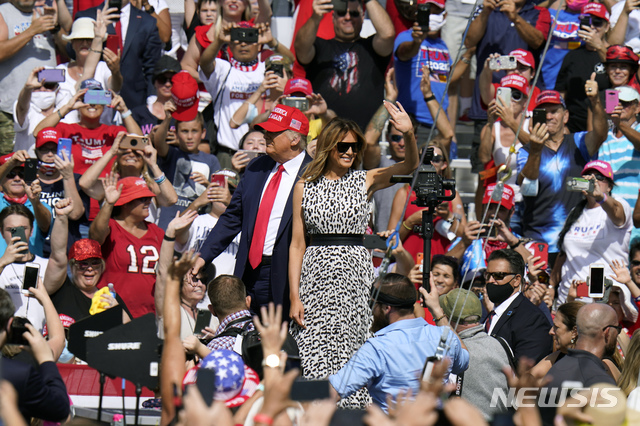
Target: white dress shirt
point(501, 309)
point(289, 176)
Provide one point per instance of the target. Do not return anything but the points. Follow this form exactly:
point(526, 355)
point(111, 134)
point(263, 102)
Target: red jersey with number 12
point(131, 266)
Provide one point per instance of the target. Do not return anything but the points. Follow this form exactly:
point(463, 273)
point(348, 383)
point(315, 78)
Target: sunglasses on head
point(352, 13)
point(396, 138)
point(344, 147)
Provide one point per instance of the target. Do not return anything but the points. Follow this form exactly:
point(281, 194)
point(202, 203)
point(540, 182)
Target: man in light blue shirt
point(393, 359)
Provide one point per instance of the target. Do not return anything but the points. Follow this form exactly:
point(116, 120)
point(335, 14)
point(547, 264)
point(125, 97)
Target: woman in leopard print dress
point(331, 279)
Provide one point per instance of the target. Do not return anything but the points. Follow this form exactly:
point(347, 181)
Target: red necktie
point(487, 323)
point(262, 219)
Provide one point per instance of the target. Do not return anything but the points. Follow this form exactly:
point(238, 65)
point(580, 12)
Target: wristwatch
point(272, 361)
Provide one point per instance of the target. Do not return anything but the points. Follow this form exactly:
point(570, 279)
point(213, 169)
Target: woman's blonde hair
point(335, 131)
point(628, 379)
point(246, 15)
point(115, 168)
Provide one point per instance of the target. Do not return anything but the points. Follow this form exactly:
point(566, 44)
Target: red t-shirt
point(88, 145)
point(130, 266)
point(414, 243)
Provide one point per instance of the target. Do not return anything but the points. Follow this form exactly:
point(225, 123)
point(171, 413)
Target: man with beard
point(598, 331)
point(514, 317)
point(393, 359)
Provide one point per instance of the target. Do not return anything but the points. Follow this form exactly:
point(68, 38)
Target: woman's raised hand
point(399, 117)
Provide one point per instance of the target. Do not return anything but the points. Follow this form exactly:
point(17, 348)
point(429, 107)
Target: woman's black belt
point(337, 240)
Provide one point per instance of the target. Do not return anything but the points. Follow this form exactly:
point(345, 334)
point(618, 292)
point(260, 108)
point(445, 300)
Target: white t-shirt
point(125, 12)
point(631, 36)
point(68, 89)
point(225, 263)
point(239, 86)
point(593, 238)
point(24, 138)
point(11, 280)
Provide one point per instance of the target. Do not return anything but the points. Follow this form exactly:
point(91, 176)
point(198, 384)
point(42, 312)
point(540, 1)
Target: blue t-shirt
point(545, 213)
point(625, 162)
point(564, 38)
point(433, 53)
point(37, 239)
point(178, 167)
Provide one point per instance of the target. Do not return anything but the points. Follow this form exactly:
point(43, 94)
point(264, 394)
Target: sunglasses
point(437, 159)
point(498, 276)
point(343, 147)
point(599, 177)
point(85, 265)
point(627, 104)
point(635, 263)
point(12, 174)
point(396, 138)
point(516, 95)
point(352, 13)
point(163, 79)
point(597, 22)
point(50, 86)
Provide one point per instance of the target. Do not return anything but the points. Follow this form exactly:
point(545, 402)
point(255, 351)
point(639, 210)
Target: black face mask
point(499, 293)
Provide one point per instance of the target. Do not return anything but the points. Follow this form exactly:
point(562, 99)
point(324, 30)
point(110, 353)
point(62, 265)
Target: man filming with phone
point(551, 157)
point(231, 83)
point(348, 71)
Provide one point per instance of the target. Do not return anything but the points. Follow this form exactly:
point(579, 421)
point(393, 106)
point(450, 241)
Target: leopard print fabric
point(336, 281)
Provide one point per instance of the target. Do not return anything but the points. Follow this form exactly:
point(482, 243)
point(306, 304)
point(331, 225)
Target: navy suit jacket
point(526, 329)
point(240, 216)
point(41, 392)
point(141, 51)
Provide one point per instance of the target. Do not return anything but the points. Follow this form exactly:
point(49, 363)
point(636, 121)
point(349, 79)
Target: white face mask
point(43, 100)
point(436, 22)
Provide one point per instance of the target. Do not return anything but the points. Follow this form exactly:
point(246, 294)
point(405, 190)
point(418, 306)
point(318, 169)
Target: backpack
point(251, 346)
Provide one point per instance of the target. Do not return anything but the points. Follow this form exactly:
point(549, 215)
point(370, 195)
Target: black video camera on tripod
point(430, 189)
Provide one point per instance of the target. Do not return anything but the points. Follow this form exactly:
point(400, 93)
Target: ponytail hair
point(574, 214)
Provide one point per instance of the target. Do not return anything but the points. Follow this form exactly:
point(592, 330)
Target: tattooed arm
point(376, 125)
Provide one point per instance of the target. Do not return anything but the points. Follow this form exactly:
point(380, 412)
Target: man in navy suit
point(41, 391)
point(263, 254)
point(514, 317)
point(141, 49)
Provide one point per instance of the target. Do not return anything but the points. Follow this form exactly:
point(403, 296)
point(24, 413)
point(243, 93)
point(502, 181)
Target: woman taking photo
point(597, 231)
point(330, 281)
point(130, 245)
point(130, 163)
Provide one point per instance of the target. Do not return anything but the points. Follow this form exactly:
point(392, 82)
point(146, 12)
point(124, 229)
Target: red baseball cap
point(595, 9)
point(599, 166)
point(132, 189)
point(550, 97)
point(515, 81)
point(524, 57)
point(85, 249)
point(46, 135)
point(507, 196)
point(284, 117)
point(7, 157)
point(185, 95)
point(301, 85)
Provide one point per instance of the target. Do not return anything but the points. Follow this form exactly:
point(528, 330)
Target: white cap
point(627, 94)
point(82, 28)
